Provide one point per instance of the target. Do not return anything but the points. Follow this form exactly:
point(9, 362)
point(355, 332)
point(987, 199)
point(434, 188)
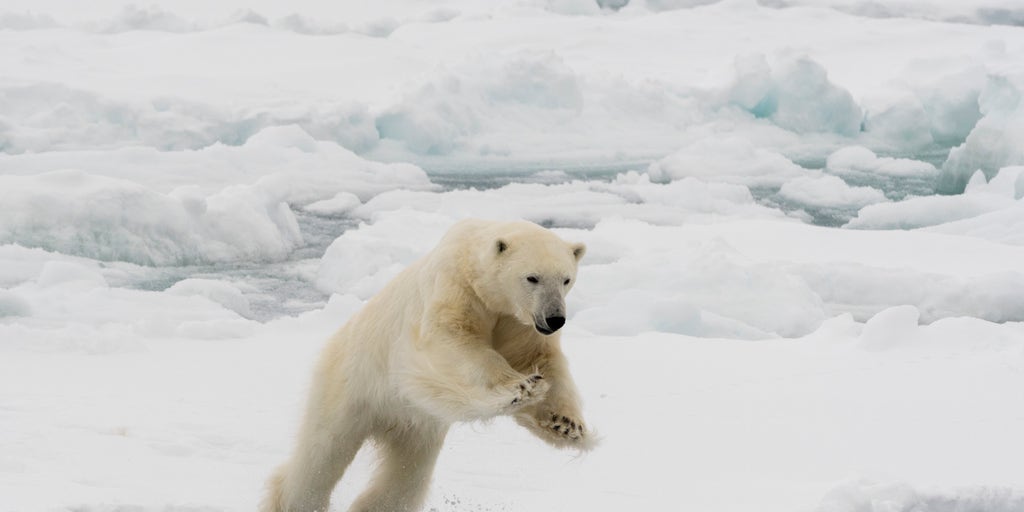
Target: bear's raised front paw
point(563, 426)
point(529, 390)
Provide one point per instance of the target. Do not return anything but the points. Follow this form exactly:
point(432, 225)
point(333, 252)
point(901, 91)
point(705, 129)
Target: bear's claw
point(565, 427)
point(530, 390)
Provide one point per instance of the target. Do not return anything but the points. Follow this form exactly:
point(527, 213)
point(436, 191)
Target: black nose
point(555, 322)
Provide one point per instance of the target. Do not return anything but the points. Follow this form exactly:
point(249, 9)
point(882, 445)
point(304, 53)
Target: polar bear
point(468, 332)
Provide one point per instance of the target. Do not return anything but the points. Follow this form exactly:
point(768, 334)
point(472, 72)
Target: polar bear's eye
point(566, 282)
point(533, 279)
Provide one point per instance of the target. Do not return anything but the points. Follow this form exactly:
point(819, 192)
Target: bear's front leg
point(557, 419)
point(466, 380)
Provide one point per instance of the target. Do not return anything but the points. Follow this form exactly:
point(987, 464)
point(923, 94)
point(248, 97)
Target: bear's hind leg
point(305, 482)
point(407, 463)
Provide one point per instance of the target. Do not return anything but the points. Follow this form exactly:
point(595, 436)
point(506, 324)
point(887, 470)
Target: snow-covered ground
point(804, 289)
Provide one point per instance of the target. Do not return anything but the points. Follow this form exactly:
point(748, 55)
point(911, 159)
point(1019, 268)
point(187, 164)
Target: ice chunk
point(830, 191)
point(797, 96)
point(340, 204)
point(221, 292)
point(435, 119)
point(361, 261)
point(729, 160)
point(892, 327)
point(918, 212)
point(993, 143)
point(859, 159)
point(110, 219)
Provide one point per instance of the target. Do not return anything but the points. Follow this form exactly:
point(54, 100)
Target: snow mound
point(890, 328)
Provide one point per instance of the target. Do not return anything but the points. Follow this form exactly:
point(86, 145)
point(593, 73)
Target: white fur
point(452, 338)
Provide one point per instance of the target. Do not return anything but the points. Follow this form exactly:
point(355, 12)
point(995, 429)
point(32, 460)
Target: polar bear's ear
point(578, 250)
point(501, 246)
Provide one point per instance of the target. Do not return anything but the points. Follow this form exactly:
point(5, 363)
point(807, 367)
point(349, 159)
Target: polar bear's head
point(530, 272)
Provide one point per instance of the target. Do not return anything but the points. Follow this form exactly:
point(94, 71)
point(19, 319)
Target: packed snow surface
point(803, 291)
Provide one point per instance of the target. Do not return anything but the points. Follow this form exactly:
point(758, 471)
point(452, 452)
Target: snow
point(803, 289)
